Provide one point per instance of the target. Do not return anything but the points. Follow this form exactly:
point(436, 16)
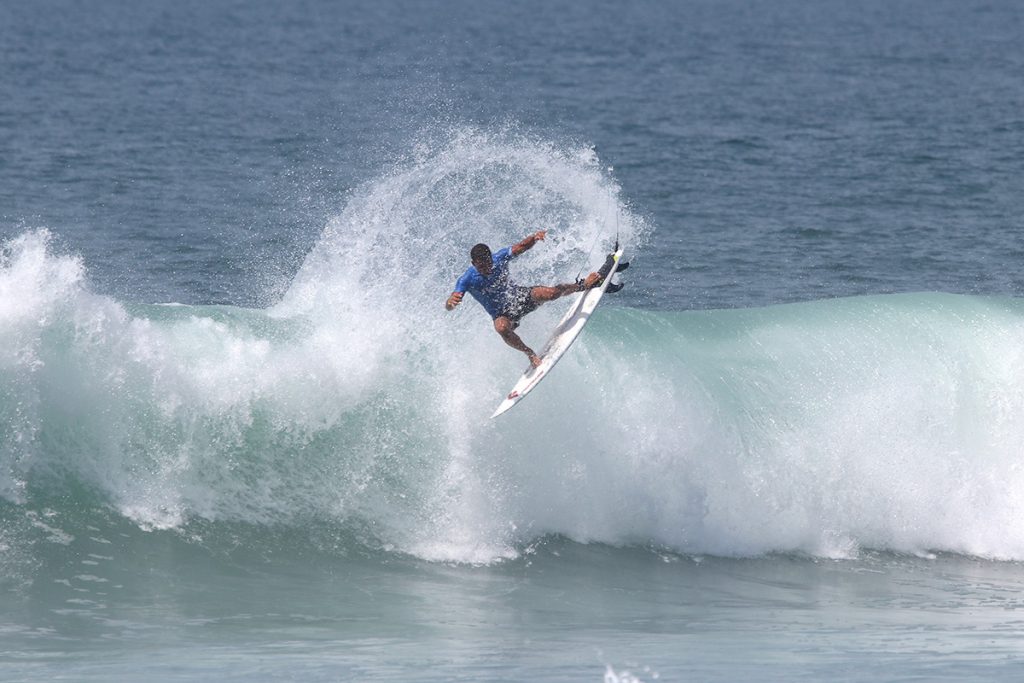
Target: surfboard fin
point(609, 264)
point(608, 268)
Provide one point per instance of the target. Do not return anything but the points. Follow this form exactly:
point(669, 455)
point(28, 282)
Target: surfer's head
point(481, 257)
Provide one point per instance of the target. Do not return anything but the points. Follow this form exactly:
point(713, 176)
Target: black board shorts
point(518, 304)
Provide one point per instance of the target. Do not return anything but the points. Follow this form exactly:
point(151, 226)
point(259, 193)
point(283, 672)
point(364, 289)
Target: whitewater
point(358, 403)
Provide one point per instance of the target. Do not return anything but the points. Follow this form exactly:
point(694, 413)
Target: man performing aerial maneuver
point(506, 302)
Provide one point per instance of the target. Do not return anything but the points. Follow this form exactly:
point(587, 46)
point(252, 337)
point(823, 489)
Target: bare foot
point(534, 359)
point(593, 280)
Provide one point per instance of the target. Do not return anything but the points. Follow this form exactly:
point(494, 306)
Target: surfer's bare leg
point(506, 328)
point(542, 294)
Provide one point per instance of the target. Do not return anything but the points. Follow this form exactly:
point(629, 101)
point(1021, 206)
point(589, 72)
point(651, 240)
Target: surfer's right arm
point(454, 300)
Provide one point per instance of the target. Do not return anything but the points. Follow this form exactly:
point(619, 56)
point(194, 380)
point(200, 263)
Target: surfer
point(507, 302)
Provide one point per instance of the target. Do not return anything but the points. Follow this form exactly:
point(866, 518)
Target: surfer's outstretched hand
point(454, 300)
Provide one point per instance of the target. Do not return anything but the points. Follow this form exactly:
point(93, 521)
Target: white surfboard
point(563, 337)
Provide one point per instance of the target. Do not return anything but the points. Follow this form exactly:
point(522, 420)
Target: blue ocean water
point(241, 438)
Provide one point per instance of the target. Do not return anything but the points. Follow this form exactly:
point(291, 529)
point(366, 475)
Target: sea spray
point(355, 400)
point(359, 404)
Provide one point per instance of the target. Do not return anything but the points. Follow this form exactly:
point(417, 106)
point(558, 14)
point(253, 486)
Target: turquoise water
point(241, 438)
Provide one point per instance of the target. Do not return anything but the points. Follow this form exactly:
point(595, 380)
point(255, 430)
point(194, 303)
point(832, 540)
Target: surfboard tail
point(610, 267)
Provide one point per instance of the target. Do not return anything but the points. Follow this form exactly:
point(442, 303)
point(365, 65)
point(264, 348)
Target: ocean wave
point(359, 403)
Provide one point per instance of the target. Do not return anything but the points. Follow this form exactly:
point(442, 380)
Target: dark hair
point(480, 252)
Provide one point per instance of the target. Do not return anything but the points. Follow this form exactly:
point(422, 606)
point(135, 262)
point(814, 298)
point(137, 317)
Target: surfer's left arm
point(528, 242)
